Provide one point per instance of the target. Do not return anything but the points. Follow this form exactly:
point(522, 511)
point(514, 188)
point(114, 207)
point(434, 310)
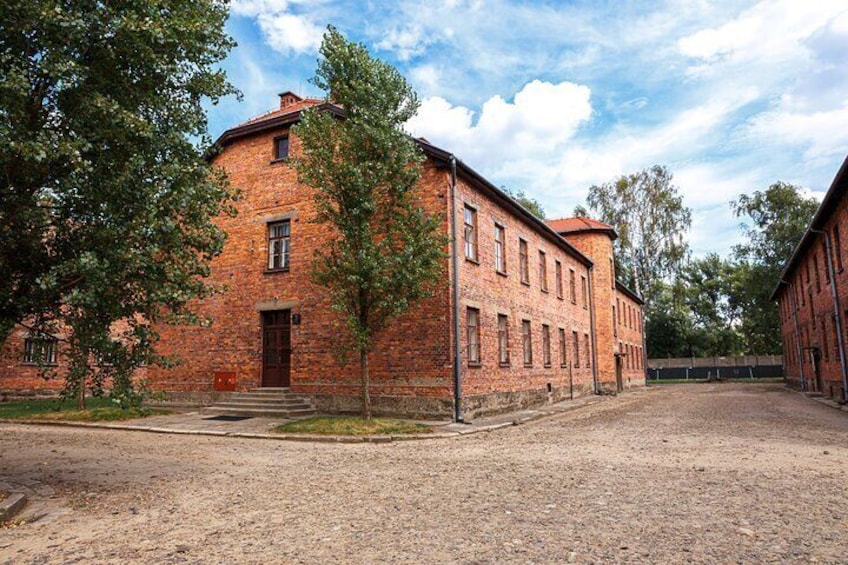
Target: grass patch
point(352, 426)
point(98, 410)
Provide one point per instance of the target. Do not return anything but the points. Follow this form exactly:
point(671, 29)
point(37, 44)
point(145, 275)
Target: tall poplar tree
point(385, 253)
point(106, 197)
point(648, 213)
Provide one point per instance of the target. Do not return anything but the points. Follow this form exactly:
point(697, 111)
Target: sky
point(554, 97)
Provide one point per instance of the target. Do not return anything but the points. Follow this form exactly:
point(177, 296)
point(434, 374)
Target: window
point(543, 271)
point(614, 325)
point(523, 261)
point(826, 262)
point(563, 362)
point(576, 349)
point(816, 271)
point(572, 286)
point(500, 249)
point(278, 246)
point(470, 233)
point(558, 273)
point(546, 345)
point(527, 343)
point(585, 291)
point(281, 148)
point(40, 351)
point(837, 247)
point(503, 340)
point(825, 348)
point(835, 337)
point(472, 321)
point(618, 309)
point(587, 350)
point(612, 273)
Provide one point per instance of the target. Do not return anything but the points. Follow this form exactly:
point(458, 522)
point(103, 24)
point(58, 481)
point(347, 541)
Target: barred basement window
point(527, 343)
point(470, 233)
point(473, 334)
point(40, 351)
point(546, 345)
point(279, 245)
point(503, 340)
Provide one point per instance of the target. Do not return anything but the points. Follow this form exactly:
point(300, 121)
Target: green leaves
point(647, 211)
point(105, 199)
point(386, 252)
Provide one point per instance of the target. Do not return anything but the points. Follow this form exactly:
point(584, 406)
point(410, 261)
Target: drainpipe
point(457, 359)
point(837, 312)
point(799, 353)
point(591, 305)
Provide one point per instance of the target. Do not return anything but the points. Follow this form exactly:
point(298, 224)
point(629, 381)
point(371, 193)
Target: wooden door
point(276, 348)
point(619, 384)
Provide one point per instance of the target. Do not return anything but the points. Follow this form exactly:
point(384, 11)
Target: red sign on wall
point(225, 381)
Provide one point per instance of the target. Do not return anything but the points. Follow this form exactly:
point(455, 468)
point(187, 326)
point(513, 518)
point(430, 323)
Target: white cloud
point(284, 31)
point(822, 134)
point(406, 43)
point(542, 117)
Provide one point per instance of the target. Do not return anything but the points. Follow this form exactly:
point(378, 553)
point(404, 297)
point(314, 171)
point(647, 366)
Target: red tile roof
point(572, 225)
point(290, 109)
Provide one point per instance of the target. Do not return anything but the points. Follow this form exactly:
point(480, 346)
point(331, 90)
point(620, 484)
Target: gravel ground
point(714, 473)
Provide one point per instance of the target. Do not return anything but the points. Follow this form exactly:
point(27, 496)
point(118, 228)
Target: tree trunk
point(363, 373)
point(81, 395)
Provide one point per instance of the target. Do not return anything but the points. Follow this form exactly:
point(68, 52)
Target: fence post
point(751, 371)
point(687, 373)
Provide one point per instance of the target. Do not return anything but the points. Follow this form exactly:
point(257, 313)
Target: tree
point(706, 288)
point(779, 216)
point(386, 253)
point(531, 204)
point(651, 220)
point(106, 198)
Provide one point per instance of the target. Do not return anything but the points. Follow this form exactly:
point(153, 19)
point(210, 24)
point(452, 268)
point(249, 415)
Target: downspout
point(457, 359)
point(591, 305)
point(799, 352)
point(838, 313)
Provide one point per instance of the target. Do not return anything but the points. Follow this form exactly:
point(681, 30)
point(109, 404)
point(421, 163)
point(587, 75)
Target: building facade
point(540, 315)
point(812, 298)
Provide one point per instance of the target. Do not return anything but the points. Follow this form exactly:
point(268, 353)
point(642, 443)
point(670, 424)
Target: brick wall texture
point(808, 312)
point(412, 362)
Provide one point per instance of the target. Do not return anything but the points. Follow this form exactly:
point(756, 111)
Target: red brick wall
point(811, 302)
point(493, 293)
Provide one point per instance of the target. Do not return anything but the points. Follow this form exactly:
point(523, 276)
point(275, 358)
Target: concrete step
point(259, 412)
point(263, 406)
point(259, 399)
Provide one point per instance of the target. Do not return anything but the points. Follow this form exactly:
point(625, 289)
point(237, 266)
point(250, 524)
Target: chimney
point(288, 98)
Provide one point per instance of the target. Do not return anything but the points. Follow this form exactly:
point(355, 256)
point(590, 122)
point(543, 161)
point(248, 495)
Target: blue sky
point(552, 97)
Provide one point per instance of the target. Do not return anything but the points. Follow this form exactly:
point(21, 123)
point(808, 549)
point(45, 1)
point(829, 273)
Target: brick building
point(541, 317)
point(812, 297)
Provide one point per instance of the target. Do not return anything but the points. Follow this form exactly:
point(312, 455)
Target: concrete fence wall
point(741, 361)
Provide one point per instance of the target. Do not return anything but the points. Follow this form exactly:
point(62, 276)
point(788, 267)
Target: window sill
point(502, 364)
point(25, 364)
point(275, 271)
point(560, 298)
point(547, 365)
point(501, 273)
point(528, 366)
point(525, 283)
point(475, 365)
point(282, 160)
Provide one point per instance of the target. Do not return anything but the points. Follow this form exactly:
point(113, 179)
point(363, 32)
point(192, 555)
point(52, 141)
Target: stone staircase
point(263, 403)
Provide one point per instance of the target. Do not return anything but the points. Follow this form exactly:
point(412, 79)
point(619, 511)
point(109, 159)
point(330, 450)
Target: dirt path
point(720, 473)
